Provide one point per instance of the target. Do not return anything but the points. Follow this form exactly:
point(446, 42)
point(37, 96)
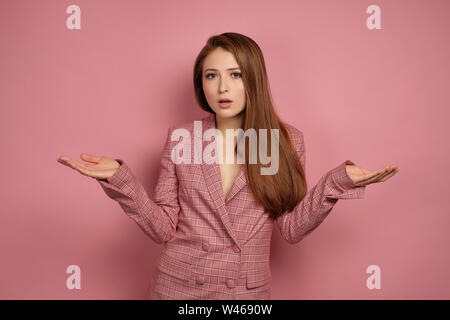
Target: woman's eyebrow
point(217, 70)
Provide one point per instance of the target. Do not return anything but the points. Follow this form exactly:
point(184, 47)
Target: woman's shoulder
point(293, 131)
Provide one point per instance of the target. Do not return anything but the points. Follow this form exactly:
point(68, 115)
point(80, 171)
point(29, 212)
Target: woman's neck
point(223, 124)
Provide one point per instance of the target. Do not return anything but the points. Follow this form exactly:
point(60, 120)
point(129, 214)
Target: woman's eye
point(213, 74)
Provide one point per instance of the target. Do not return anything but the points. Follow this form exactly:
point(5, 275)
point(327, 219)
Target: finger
point(392, 167)
point(81, 168)
point(63, 161)
point(90, 165)
point(379, 175)
point(84, 171)
point(382, 175)
point(62, 158)
point(76, 165)
point(89, 158)
point(385, 174)
point(388, 176)
point(373, 175)
point(380, 178)
point(389, 168)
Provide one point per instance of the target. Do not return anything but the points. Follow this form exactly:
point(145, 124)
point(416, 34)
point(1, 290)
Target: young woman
point(216, 219)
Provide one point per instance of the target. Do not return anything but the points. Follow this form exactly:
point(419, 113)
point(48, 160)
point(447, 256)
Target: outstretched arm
point(347, 181)
point(157, 217)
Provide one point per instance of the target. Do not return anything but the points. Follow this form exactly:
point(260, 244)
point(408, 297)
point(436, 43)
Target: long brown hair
point(280, 192)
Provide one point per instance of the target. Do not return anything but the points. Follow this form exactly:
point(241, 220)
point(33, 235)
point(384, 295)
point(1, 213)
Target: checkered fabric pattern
point(216, 248)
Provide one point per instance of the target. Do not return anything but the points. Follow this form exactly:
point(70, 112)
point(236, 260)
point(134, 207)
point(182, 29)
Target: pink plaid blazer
point(216, 248)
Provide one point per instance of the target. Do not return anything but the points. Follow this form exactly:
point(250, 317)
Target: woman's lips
point(226, 104)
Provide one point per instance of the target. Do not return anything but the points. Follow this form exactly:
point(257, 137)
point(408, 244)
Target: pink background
point(376, 97)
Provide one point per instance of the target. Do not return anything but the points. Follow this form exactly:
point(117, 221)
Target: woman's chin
point(227, 113)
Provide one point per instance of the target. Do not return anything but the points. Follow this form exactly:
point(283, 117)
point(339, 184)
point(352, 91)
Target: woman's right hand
point(98, 167)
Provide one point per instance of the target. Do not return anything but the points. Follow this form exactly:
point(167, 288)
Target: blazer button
point(236, 249)
point(205, 246)
point(201, 279)
point(230, 283)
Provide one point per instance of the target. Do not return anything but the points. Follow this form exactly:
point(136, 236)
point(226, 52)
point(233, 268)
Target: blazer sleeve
point(157, 217)
point(319, 200)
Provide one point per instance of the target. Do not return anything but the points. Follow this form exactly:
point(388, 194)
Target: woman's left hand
point(362, 177)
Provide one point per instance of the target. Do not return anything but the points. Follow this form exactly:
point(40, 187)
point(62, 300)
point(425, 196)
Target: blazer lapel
point(213, 179)
point(237, 185)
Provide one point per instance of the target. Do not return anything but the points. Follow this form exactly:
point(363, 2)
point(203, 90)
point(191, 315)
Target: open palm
point(362, 177)
point(98, 167)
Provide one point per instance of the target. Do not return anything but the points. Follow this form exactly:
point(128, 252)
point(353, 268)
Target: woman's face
point(221, 78)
